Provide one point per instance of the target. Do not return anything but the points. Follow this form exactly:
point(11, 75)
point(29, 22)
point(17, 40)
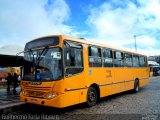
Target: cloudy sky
point(113, 22)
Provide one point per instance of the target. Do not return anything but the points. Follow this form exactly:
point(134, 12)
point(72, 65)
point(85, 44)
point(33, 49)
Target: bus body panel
point(73, 89)
point(106, 87)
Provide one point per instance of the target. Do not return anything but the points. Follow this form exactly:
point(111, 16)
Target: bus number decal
point(109, 74)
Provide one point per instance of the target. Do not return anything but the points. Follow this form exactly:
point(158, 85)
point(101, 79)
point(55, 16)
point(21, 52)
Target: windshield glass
point(43, 65)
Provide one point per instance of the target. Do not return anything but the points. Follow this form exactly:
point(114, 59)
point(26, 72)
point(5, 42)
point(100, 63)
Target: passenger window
point(73, 58)
point(128, 60)
point(135, 61)
point(142, 61)
point(95, 59)
point(118, 59)
point(107, 58)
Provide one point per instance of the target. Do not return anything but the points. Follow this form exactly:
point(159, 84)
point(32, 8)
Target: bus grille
point(37, 88)
point(36, 94)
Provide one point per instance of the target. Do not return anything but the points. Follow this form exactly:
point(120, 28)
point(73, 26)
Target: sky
point(111, 22)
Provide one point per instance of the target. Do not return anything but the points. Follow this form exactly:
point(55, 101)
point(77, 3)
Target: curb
point(11, 108)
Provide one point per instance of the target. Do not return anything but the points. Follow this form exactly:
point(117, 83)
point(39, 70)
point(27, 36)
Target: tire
point(92, 97)
point(136, 86)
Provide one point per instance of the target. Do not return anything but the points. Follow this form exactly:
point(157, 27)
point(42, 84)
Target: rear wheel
point(136, 86)
point(92, 96)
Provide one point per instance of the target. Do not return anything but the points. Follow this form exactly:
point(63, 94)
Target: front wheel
point(92, 96)
point(136, 86)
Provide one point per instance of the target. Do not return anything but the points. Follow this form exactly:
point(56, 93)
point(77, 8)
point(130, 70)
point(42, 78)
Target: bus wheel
point(92, 96)
point(136, 86)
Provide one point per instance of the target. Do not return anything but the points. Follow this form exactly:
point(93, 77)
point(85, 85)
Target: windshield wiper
point(38, 59)
point(35, 60)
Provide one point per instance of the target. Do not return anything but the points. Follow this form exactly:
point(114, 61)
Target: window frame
point(64, 62)
point(145, 61)
point(133, 61)
point(122, 59)
point(111, 57)
point(125, 59)
point(98, 47)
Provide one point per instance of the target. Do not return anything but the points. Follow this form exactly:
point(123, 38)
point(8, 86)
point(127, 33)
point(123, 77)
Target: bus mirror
point(56, 55)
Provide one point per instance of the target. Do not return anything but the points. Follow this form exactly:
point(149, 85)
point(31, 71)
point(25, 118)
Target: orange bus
point(61, 71)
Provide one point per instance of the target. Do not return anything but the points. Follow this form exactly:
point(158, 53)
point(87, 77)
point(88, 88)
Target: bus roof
point(89, 42)
point(84, 41)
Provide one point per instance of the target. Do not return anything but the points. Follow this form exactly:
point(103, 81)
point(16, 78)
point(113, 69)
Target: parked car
point(156, 70)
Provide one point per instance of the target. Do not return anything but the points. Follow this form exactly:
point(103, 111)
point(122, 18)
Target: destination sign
point(42, 42)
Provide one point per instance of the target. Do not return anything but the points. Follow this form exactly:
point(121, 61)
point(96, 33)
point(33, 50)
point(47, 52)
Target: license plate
point(33, 100)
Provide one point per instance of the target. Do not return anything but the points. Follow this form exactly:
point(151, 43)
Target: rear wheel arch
point(136, 85)
point(97, 88)
point(93, 95)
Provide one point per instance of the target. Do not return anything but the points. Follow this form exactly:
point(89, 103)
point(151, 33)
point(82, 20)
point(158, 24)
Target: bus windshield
point(43, 65)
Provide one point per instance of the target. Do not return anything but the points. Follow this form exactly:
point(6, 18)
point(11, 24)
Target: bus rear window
point(42, 42)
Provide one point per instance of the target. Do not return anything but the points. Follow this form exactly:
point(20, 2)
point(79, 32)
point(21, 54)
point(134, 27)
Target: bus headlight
point(25, 93)
point(51, 95)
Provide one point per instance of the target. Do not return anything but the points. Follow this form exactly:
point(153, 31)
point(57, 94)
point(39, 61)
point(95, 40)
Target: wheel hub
point(92, 96)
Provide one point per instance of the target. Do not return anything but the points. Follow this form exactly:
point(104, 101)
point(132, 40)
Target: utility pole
point(159, 60)
point(135, 43)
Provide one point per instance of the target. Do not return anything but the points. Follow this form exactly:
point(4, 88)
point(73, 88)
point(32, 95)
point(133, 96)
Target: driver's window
point(73, 58)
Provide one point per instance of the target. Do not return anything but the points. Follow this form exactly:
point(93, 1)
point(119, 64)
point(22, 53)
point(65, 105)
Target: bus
point(62, 71)
point(13, 70)
point(3, 73)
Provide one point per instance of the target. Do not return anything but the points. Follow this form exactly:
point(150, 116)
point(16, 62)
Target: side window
point(118, 59)
point(142, 61)
point(107, 58)
point(135, 61)
point(95, 59)
point(128, 60)
point(73, 58)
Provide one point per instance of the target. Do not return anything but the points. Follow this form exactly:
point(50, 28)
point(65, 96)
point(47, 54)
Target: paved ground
point(128, 106)
point(9, 101)
point(8, 97)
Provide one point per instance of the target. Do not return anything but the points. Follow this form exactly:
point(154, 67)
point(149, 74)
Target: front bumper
point(54, 102)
